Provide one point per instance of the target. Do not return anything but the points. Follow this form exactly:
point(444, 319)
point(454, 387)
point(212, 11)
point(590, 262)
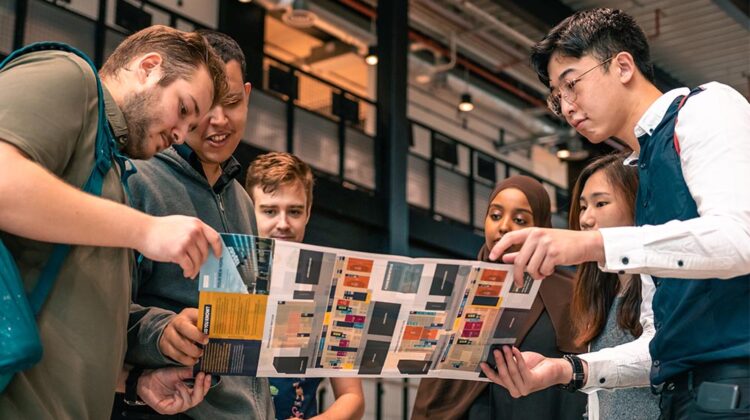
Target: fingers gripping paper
point(276, 308)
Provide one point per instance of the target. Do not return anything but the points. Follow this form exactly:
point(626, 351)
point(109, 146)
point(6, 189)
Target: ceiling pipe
point(511, 33)
point(657, 23)
point(478, 70)
point(467, 29)
point(451, 62)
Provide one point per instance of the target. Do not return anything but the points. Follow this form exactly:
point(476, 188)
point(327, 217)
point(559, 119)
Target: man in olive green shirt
point(157, 86)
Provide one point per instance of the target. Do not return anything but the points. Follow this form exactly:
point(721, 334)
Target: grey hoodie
point(170, 184)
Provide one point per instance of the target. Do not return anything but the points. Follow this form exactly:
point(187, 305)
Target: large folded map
point(276, 308)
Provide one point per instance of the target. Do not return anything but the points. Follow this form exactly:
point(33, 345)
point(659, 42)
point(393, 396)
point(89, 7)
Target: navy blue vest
point(697, 321)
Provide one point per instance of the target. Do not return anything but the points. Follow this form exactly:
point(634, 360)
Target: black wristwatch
point(576, 381)
point(131, 387)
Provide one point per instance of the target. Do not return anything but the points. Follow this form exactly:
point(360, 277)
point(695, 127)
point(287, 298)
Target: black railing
point(477, 170)
point(302, 90)
point(345, 122)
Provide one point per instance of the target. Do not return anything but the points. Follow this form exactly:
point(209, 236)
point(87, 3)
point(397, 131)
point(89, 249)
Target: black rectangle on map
point(373, 357)
point(308, 266)
point(359, 296)
point(436, 306)
point(443, 280)
point(304, 295)
point(290, 364)
point(347, 349)
point(413, 367)
point(510, 323)
point(485, 301)
point(384, 316)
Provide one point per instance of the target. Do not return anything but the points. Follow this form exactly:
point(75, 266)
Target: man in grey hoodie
point(197, 179)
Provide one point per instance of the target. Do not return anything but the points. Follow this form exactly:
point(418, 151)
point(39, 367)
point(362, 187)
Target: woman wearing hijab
point(516, 203)
point(606, 307)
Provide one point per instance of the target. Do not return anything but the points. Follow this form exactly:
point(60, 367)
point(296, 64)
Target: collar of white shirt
point(653, 116)
point(655, 113)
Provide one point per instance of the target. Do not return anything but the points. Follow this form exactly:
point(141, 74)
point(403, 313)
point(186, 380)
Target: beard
point(139, 109)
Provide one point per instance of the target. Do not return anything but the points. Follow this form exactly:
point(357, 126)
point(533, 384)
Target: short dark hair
point(182, 52)
point(602, 32)
point(226, 47)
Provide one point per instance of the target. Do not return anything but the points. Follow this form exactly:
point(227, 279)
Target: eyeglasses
point(566, 90)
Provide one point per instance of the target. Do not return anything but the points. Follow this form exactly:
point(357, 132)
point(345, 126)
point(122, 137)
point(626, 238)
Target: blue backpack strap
point(105, 152)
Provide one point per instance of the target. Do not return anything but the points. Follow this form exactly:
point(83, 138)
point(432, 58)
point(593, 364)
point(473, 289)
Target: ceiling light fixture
point(563, 154)
point(299, 15)
point(466, 105)
point(372, 56)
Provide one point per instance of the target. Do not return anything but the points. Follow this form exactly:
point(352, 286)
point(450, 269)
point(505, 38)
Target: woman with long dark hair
point(606, 306)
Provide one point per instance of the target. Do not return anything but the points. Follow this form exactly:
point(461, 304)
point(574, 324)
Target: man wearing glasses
point(693, 222)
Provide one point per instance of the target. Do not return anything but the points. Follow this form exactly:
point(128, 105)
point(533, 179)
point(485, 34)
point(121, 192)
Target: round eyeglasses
point(566, 90)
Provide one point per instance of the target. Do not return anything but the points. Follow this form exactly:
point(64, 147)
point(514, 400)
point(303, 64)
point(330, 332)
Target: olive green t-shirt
point(48, 109)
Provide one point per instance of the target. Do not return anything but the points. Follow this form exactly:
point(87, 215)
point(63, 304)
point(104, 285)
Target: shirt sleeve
point(46, 100)
point(145, 327)
point(714, 134)
point(627, 365)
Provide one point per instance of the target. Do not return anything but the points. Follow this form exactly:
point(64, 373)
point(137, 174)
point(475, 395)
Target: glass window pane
point(316, 141)
point(418, 182)
point(47, 22)
point(452, 195)
point(266, 122)
point(421, 138)
point(359, 159)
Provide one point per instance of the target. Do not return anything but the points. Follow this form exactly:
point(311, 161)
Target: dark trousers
point(123, 411)
point(692, 395)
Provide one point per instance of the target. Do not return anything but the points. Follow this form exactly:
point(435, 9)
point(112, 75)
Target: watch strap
point(131, 387)
point(576, 380)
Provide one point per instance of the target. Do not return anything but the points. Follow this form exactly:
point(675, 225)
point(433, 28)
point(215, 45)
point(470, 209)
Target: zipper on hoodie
point(220, 203)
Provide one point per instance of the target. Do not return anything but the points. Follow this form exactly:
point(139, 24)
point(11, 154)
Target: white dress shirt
point(713, 130)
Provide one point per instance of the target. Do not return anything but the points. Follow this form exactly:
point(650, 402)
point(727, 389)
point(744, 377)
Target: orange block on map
point(353, 280)
point(484, 290)
point(497, 276)
point(412, 333)
point(359, 264)
point(429, 333)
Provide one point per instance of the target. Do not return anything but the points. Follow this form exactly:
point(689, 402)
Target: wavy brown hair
point(272, 170)
point(595, 290)
point(183, 53)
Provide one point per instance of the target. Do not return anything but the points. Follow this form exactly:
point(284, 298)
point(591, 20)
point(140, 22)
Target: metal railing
point(325, 125)
point(460, 173)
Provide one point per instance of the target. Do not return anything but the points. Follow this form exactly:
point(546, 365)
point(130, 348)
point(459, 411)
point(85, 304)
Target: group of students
point(178, 103)
point(154, 110)
point(199, 179)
